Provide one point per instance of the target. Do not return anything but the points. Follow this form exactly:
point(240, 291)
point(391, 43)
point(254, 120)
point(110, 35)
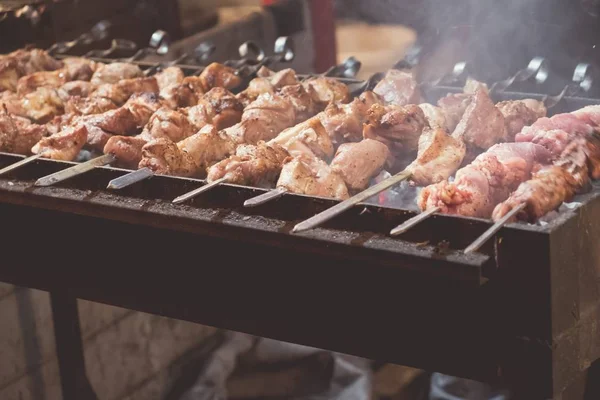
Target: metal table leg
point(69, 348)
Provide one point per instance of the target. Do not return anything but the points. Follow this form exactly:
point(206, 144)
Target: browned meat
point(121, 91)
point(519, 114)
point(438, 157)
point(142, 106)
point(255, 165)
point(399, 127)
point(358, 163)
point(189, 157)
point(472, 86)
point(169, 77)
point(309, 137)
point(435, 116)
point(39, 106)
point(88, 105)
point(398, 88)
point(127, 149)
point(344, 122)
point(18, 135)
point(169, 124)
point(24, 62)
point(487, 181)
point(219, 75)
point(75, 88)
point(64, 146)
point(263, 119)
point(302, 100)
point(327, 90)
point(304, 174)
point(454, 107)
point(267, 81)
point(75, 69)
point(184, 94)
point(482, 124)
point(218, 107)
point(114, 73)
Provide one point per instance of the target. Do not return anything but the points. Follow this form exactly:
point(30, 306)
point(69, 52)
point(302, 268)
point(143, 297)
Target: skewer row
point(535, 69)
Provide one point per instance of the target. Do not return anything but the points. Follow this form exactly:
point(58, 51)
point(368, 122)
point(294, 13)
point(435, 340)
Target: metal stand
point(69, 348)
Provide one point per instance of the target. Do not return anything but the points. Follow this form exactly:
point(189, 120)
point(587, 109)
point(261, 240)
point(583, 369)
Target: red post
point(323, 27)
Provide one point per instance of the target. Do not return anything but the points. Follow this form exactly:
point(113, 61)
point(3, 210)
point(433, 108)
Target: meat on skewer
point(487, 181)
point(75, 69)
point(333, 121)
point(24, 62)
point(574, 141)
point(218, 108)
point(262, 120)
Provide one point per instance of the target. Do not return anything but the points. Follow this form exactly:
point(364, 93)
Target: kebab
point(214, 74)
point(24, 62)
point(262, 164)
point(480, 126)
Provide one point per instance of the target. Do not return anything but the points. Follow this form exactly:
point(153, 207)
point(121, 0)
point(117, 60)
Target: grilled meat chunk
point(121, 91)
point(399, 127)
point(115, 72)
point(454, 107)
point(309, 137)
point(358, 163)
point(398, 88)
point(255, 165)
point(267, 81)
point(305, 174)
point(64, 146)
point(18, 135)
point(519, 114)
point(439, 156)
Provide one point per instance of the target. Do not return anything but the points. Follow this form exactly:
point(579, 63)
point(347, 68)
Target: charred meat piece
point(24, 62)
point(75, 88)
point(88, 105)
point(143, 106)
point(121, 91)
point(115, 72)
point(482, 124)
point(304, 174)
point(309, 137)
point(218, 107)
point(219, 75)
point(399, 127)
point(267, 81)
point(189, 157)
point(487, 181)
point(439, 156)
point(64, 146)
point(454, 107)
point(18, 135)
point(184, 94)
point(40, 106)
point(358, 163)
point(344, 122)
point(398, 88)
point(254, 165)
point(75, 69)
point(327, 90)
point(519, 114)
point(263, 119)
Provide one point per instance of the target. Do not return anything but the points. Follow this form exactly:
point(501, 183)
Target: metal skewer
point(200, 190)
point(19, 164)
point(265, 197)
point(481, 240)
point(99, 32)
point(78, 169)
point(130, 178)
point(351, 202)
point(414, 221)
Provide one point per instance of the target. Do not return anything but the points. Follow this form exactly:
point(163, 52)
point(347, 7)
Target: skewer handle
point(481, 240)
point(75, 170)
point(409, 223)
point(19, 164)
point(265, 197)
point(351, 202)
point(200, 190)
point(129, 179)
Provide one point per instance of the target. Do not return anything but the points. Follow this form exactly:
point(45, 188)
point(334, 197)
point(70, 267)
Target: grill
point(523, 311)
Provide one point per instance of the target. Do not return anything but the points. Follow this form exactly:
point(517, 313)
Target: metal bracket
point(583, 80)
point(537, 69)
point(99, 32)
